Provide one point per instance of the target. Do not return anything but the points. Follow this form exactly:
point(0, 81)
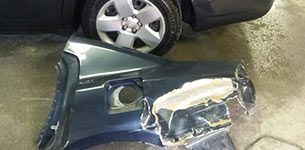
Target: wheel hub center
point(131, 24)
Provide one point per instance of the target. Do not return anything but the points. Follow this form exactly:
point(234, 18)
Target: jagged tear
point(198, 108)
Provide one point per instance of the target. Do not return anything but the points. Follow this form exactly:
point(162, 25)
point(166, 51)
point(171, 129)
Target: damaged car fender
point(106, 94)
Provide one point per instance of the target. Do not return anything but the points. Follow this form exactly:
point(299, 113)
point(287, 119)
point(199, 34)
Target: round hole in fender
point(129, 95)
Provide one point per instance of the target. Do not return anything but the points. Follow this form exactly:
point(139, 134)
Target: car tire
point(171, 19)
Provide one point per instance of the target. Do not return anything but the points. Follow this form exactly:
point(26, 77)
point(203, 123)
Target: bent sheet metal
point(107, 94)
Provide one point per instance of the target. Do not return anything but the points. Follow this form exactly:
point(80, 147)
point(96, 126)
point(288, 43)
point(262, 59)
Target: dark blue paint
point(83, 116)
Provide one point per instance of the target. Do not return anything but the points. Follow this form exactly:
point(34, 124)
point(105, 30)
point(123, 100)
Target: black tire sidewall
point(170, 15)
point(91, 9)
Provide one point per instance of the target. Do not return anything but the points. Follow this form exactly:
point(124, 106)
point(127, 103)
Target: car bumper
point(211, 13)
point(86, 112)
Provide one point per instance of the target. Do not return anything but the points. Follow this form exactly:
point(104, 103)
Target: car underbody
point(106, 94)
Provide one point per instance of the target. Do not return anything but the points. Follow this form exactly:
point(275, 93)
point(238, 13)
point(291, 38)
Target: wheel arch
point(71, 13)
point(187, 11)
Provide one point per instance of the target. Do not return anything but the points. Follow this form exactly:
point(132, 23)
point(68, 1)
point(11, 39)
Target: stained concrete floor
point(272, 47)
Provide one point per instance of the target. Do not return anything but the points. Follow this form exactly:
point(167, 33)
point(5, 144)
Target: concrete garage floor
point(273, 49)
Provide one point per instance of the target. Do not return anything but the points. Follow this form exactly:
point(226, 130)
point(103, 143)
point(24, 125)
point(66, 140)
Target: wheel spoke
point(149, 14)
point(149, 36)
point(124, 7)
point(108, 24)
point(125, 40)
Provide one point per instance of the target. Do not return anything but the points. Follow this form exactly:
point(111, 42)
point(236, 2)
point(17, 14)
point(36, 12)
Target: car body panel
point(65, 15)
point(59, 16)
point(211, 13)
point(30, 15)
point(83, 112)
